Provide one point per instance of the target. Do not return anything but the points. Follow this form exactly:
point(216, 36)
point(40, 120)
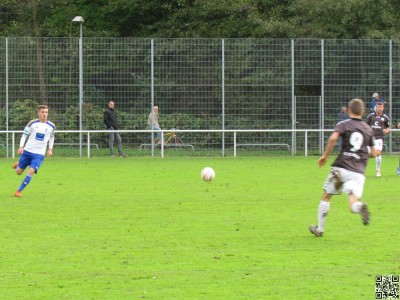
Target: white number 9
point(356, 140)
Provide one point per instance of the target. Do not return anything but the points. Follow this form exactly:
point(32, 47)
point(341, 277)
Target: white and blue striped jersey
point(38, 134)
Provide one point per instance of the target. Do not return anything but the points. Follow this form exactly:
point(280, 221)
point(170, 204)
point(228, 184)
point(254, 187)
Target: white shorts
point(378, 145)
point(348, 182)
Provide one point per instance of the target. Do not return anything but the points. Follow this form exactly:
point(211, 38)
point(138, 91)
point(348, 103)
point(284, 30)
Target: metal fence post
point(7, 122)
point(152, 91)
point(293, 100)
point(390, 90)
point(223, 94)
point(322, 99)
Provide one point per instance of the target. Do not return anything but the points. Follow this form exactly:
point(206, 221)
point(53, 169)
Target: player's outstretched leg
point(361, 208)
point(323, 209)
point(23, 185)
point(365, 215)
point(314, 230)
point(378, 160)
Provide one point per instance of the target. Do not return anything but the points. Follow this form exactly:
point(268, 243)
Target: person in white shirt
point(37, 134)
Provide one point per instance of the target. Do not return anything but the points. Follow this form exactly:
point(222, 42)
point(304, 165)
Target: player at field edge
point(348, 170)
point(380, 124)
point(39, 133)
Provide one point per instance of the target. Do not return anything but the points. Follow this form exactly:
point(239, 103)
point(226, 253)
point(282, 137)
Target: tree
point(333, 19)
point(347, 19)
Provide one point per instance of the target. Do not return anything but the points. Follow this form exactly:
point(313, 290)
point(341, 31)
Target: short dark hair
point(42, 106)
point(356, 106)
point(379, 103)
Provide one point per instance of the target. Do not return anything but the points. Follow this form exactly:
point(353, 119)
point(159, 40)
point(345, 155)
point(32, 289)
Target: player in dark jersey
point(379, 122)
point(347, 171)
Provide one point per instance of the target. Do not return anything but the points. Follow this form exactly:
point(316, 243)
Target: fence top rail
point(190, 130)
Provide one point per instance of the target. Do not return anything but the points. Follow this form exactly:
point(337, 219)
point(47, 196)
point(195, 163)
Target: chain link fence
point(198, 84)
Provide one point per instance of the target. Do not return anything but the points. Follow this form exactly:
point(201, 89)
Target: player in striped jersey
point(37, 134)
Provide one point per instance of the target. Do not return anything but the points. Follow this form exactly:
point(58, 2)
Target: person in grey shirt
point(348, 170)
point(343, 115)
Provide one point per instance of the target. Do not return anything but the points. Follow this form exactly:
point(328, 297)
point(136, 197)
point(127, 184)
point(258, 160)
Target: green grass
point(149, 228)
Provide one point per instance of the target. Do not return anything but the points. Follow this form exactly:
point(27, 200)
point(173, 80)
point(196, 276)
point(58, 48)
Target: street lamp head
point(78, 19)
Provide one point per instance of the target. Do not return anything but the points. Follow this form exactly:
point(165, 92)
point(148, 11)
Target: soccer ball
point(207, 174)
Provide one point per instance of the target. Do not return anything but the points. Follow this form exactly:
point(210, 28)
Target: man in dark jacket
point(110, 119)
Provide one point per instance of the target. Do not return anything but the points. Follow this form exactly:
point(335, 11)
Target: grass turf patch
point(134, 228)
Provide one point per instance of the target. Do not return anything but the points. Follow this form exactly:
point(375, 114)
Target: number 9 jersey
point(357, 136)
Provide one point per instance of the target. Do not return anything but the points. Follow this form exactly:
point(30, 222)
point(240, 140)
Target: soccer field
point(150, 228)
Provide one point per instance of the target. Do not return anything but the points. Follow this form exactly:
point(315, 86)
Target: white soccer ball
point(207, 174)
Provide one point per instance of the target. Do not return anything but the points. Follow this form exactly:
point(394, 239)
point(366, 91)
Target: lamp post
point(79, 20)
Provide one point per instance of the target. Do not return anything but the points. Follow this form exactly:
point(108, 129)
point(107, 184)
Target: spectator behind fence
point(152, 121)
point(342, 115)
point(110, 119)
point(374, 100)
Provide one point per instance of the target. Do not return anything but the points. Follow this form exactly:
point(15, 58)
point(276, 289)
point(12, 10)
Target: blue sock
point(25, 182)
